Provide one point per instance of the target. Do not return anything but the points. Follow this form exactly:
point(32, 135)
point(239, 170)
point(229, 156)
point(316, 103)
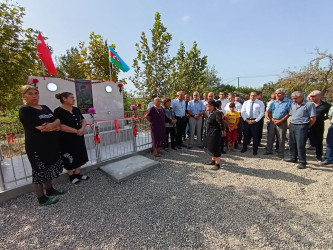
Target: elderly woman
point(215, 128)
point(41, 144)
point(156, 116)
point(73, 147)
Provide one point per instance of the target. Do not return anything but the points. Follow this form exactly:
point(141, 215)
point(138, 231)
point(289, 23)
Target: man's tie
point(251, 110)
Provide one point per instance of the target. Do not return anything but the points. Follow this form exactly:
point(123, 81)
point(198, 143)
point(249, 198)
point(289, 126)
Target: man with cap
point(303, 116)
point(316, 133)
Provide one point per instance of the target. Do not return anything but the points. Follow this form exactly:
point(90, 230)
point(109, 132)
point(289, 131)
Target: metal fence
point(104, 140)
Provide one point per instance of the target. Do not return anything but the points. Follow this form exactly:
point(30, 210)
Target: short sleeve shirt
point(196, 107)
point(302, 113)
point(231, 119)
point(280, 109)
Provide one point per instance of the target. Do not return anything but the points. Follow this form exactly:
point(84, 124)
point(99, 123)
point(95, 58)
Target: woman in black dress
point(73, 147)
point(214, 129)
point(41, 144)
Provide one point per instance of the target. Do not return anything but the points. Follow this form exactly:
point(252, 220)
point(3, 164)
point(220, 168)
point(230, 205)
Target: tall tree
point(18, 57)
point(153, 62)
point(69, 65)
point(190, 69)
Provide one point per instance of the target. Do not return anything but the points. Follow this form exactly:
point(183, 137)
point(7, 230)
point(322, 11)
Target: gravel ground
point(253, 202)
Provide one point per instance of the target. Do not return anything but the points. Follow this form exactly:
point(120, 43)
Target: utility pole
point(238, 82)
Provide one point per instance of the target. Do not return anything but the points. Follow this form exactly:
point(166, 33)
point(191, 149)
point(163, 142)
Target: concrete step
point(126, 168)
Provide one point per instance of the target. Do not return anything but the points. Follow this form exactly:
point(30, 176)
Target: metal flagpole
point(110, 64)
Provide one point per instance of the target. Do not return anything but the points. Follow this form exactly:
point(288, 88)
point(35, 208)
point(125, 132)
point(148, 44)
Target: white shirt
point(227, 108)
point(224, 102)
point(258, 110)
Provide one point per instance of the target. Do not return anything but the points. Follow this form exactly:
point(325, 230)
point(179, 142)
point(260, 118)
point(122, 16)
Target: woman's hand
point(80, 132)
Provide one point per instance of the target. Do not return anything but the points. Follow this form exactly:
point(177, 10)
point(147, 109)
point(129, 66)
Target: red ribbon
point(135, 132)
point(116, 126)
point(97, 139)
point(11, 137)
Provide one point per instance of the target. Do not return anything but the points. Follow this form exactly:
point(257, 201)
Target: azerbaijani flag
point(116, 60)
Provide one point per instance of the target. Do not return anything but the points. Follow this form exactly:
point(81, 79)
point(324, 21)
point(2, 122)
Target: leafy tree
point(18, 57)
point(69, 65)
point(190, 70)
point(153, 62)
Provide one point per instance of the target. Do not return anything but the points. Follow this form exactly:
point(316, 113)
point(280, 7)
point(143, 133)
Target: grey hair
point(281, 90)
point(297, 93)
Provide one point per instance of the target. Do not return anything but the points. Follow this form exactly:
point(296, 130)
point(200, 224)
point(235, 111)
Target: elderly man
point(277, 114)
point(196, 111)
point(316, 134)
point(178, 106)
point(252, 112)
point(303, 116)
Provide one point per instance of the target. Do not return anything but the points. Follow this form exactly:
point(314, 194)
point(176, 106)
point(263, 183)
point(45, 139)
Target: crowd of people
point(233, 121)
point(55, 139)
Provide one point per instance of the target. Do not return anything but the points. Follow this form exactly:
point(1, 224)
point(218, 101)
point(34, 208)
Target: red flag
point(44, 54)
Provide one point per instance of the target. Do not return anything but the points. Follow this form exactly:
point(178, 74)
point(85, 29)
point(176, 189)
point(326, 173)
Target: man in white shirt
point(223, 99)
point(252, 112)
point(179, 107)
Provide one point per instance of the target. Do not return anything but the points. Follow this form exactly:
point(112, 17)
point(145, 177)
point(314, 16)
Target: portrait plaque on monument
point(84, 95)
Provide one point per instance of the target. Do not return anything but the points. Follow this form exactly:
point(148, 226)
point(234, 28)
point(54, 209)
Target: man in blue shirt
point(303, 116)
point(178, 106)
point(278, 114)
point(195, 109)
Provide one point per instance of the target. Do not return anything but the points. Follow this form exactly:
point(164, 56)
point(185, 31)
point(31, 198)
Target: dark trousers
point(172, 132)
point(251, 131)
point(240, 130)
point(316, 136)
point(329, 145)
point(298, 134)
point(261, 125)
point(180, 129)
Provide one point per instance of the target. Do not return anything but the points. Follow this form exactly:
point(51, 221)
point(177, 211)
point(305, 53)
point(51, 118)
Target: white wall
point(109, 106)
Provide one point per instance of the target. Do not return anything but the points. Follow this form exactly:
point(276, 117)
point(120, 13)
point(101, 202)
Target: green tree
point(190, 70)
point(18, 57)
point(69, 65)
point(153, 62)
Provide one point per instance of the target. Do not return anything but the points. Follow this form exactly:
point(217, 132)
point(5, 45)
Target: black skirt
point(213, 145)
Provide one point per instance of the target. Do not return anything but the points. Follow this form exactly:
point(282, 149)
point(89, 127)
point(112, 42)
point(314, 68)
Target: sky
point(255, 40)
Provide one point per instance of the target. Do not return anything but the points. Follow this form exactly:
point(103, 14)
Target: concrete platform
point(129, 167)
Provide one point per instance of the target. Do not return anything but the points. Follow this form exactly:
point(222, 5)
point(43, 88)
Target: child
point(170, 121)
point(232, 119)
point(329, 140)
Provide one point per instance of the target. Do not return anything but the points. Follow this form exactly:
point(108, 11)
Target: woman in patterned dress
point(41, 144)
point(73, 147)
point(156, 116)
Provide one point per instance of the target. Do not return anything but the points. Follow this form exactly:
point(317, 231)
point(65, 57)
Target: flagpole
point(110, 64)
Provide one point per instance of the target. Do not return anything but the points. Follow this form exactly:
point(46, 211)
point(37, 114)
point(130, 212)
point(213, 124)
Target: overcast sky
point(255, 40)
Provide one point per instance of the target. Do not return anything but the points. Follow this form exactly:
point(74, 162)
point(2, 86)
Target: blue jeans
point(298, 135)
point(329, 146)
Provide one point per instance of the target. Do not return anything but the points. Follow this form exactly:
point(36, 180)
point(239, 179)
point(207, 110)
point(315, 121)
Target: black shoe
point(210, 163)
point(223, 152)
point(301, 166)
point(319, 158)
point(291, 160)
point(216, 167)
point(174, 148)
point(200, 147)
point(267, 153)
point(189, 147)
point(179, 147)
point(183, 145)
point(255, 153)
point(243, 150)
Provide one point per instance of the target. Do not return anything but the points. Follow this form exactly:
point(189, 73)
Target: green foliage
point(152, 64)
point(18, 57)
point(9, 122)
point(88, 62)
point(189, 71)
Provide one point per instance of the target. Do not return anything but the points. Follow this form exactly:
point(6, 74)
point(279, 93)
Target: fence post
point(134, 136)
point(2, 180)
point(97, 142)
